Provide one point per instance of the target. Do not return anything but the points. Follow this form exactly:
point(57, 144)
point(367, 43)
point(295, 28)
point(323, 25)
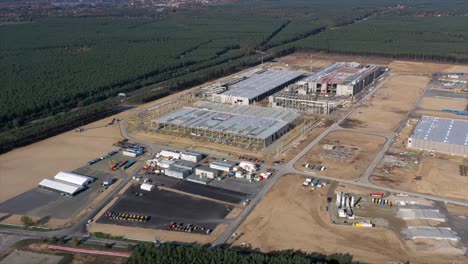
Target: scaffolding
point(249, 126)
point(305, 103)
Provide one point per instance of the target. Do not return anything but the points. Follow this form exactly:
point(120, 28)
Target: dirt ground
point(63, 152)
point(439, 177)
point(439, 114)
point(289, 217)
point(434, 103)
point(321, 59)
point(390, 104)
point(146, 234)
point(368, 146)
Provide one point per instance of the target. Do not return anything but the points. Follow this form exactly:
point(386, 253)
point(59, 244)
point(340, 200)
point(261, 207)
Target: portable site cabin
point(176, 172)
point(147, 187)
point(165, 163)
point(248, 166)
point(170, 154)
point(61, 187)
point(205, 171)
point(191, 156)
point(186, 165)
point(73, 178)
point(222, 166)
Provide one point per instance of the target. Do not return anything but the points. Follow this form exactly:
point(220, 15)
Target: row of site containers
point(108, 155)
point(382, 202)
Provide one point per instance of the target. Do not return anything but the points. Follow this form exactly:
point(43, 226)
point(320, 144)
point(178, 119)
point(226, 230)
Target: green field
point(60, 72)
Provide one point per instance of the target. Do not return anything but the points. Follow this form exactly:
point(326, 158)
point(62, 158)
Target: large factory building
point(257, 87)
point(342, 78)
point(226, 124)
point(438, 134)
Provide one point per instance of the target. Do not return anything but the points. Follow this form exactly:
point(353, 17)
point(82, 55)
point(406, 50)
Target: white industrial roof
point(73, 178)
point(251, 121)
point(61, 186)
point(447, 130)
point(261, 83)
point(222, 163)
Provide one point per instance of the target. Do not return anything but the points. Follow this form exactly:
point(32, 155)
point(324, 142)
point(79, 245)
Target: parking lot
point(165, 207)
point(46, 203)
point(213, 192)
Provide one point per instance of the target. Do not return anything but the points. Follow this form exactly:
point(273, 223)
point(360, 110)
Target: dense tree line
point(148, 253)
point(442, 39)
point(58, 73)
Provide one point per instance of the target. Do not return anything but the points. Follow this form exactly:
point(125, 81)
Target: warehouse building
point(205, 171)
point(257, 87)
point(250, 125)
point(222, 165)
point(176, 172)
point(65, 188)
point(342, 78)
point(186, 165)
point(165, 163)
point(438, 134)
point(73, 178)
point(191, 156)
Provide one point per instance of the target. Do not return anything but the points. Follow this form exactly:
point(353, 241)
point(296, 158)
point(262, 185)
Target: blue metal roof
point(451, 131)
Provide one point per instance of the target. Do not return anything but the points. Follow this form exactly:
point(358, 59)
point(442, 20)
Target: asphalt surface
point(217, 193)
point(165, 207)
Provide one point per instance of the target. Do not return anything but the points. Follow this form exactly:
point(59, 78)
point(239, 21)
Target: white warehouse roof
point(59, 186)
point(73, 178)
point(262, 83)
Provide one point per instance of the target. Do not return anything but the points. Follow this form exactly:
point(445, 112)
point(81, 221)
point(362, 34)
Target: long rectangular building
point(439, 134)
point(342, 78)
point(226, 123)
point(257, 87)
point(61, 187)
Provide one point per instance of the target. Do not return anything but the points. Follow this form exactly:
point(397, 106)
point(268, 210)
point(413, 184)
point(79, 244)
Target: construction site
point(253, 109)
point(299, 153)
point(327, 216)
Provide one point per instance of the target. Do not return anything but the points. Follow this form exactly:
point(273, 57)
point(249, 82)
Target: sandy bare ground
point(23, 168)
point(389, 105)
point(321, 59)
point(368, 146)
point(439, 177)
point(290, 218)
point(146, 234)
point(440, 114)
point(433, 103)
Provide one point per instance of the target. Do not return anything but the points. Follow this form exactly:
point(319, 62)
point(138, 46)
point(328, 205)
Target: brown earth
point(289, 217)
point(434, 103)
point(63, 152)
point(390, 105)
point(368, 146)
point(146, 234)
point(439, 177)
point(439, 114)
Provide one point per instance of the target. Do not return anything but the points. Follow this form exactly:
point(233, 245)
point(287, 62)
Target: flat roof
point(447, 130)
point(341, 73)
point(61, 186)
point(250, 121)
point(206, 168)
point(177, 169)
point(222, 163)
point(261, 83)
